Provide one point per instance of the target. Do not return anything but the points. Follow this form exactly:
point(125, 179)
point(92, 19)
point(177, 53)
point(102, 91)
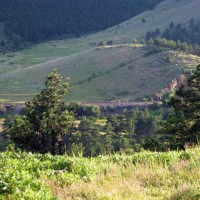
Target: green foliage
point(178, 36)
point(27, 176)
point(19, 175)
point(183, 125)
point(99, 135)
point(4, 144)
point(162, 42)
point(49, 126)
point(23, 175)
point(84, 110)
point(46, 121)
point(179, 32)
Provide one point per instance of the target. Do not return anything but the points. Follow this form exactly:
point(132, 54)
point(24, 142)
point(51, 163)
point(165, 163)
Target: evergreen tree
point(46, 121)
point(183, 126)
point(90, 136)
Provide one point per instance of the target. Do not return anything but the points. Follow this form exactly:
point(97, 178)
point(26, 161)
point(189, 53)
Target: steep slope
point(41, 20)
point(107, 73)
point(164, 13)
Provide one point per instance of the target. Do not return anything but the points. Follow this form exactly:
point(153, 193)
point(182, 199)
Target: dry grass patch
point(140, 176)
point(118, 182)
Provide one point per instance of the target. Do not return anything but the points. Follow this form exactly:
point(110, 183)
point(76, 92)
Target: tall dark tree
point(183, 126)
point(46, 122)
point(188, 34)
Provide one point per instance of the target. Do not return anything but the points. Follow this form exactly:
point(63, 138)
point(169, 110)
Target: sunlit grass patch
point(146, 175)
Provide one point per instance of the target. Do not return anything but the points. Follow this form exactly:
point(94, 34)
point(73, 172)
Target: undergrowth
point(145, 175)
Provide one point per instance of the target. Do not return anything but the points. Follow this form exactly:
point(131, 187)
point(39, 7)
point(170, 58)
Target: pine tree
point(46, 121)
point(183, 126)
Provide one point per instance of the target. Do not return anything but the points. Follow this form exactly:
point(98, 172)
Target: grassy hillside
point(99, 74)
point(164, 13)
point(143, 176)
point(109, 73)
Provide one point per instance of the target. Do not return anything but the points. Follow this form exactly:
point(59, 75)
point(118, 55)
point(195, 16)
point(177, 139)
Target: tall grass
point(145, 175)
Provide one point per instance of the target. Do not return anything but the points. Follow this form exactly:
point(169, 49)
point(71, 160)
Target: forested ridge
point(178, 36)
point(45, 19)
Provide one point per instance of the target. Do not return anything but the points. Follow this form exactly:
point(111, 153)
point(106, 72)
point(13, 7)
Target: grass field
point(120, 72)
point(141, 176)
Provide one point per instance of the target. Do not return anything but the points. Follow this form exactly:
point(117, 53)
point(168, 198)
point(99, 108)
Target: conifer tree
point(46, 122)
point(183, 126)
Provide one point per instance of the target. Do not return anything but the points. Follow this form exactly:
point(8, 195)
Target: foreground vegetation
point(146, 175)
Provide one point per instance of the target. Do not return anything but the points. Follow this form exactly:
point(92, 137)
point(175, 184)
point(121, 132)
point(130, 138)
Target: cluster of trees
point(186, 38)
point(189, 34)
point(162, 42)
point(113, 133)
point(40, 20)
point(182, 127)
point(50, 125)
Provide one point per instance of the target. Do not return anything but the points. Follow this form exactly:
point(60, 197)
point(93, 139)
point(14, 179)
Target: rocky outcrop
point(181, 80)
